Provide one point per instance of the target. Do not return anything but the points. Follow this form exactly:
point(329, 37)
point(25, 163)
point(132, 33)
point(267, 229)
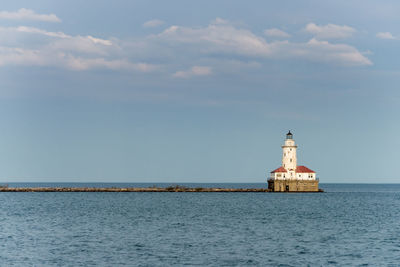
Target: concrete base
point(293, 185)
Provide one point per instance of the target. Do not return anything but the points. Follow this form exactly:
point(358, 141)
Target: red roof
point(303, 169)
point(280, 169)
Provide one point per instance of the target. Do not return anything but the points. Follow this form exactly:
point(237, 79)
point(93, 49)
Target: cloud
point(55, 40)
point(153, 23)
point(63, 51)
point(209, 49)
point(276, 33)
point(30, 57)
point(323, 51)
point(330, 31)
point(194, 71)
point(28, 14)
point(76, 63)
point(61, 35)
point(385, 35)
point(20, 56)
point(226, 41)
point(99, 41)
point(220, 38)
point(40, 31)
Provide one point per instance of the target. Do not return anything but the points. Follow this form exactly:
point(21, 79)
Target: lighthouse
point(291, 177)
point(289, 157)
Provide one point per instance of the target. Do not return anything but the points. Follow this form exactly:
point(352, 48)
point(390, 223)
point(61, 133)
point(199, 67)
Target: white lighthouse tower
point(289, 156)
point(290, 176)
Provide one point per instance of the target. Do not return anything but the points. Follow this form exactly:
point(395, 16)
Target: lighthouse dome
point(289, 135)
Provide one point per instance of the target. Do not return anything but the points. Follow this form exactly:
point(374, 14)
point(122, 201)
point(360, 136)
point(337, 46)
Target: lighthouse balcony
point(292, 178)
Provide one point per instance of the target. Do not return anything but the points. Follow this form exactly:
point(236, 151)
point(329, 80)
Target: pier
point(134, 189)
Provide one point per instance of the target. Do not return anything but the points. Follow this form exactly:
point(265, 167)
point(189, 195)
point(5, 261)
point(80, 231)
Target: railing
point(289, 178)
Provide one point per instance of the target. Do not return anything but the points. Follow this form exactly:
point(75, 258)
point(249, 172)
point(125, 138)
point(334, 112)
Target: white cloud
point(385, 35)
point(216, 38)
point(153, 23)
point(58, 40)
point(40, 31)
point(19, 56)
point(319, 51)
point(276, 33)
point(30, 57)
point(330, 31)
point(63, 50)
point(229, 41)
point(60, 35)
point(194, 71)
point(99, 41)
point(76, 63)
point(333, 53)
point(28, 14)
point(208, 48)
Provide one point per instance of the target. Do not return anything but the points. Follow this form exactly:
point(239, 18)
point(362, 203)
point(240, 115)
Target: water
point(355, 225)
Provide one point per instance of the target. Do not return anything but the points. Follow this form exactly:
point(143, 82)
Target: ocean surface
point(349, 224)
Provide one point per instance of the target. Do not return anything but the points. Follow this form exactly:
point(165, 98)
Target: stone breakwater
point(129, 189)
point(132, 189)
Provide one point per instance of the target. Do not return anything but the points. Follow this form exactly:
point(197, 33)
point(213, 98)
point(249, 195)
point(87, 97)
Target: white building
point(289, 169)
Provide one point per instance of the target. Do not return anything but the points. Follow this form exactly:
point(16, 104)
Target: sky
point(198, 91)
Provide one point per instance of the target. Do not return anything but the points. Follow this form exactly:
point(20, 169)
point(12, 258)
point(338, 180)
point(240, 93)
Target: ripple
point(156, 229)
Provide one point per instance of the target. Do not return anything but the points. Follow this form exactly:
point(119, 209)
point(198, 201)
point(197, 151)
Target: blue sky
point(198, 91)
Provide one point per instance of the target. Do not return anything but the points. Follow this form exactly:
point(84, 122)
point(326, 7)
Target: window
point(290, 160)
point(290, 149)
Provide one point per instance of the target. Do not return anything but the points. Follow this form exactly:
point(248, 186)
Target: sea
point(347, 225)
